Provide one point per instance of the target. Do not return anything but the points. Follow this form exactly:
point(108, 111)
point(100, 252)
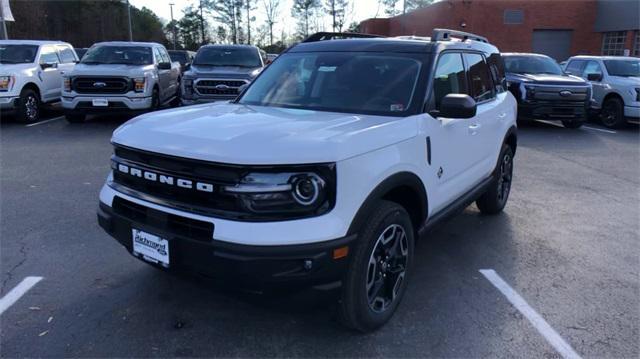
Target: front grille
point(102, 85)
point(171, 223)
point(227, 88)
point(553, 93)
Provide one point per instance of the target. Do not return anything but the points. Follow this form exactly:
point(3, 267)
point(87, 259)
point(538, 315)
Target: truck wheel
point(75, 118)
point(572, 124)
point(29, 106)
point(377, 275)
point(494, 200)
point(155, 99)
point(612, 114)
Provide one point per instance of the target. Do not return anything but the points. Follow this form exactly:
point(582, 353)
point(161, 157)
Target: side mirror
point(164, 66)
point(457, 106)
point(594, 77)
point(47, 65)
point(187, 66)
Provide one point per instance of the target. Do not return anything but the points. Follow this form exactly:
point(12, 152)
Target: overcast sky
point(361, 9)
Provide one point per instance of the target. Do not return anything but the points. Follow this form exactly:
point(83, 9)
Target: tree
point(354, 27)
point(249, 5)
point(189, 28)
point(390, 7)
point(271, 10)
point(303, 10)
point(410, 5)
point(337, 10)
point(227, 12)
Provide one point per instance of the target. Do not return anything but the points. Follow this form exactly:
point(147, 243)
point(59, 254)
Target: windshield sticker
point(326, 68)
point(396, 107)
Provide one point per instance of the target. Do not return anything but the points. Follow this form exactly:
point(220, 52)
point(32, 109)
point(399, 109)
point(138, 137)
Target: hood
point(546, 79)
point(8, 69)
point(624, 81)
point(111, 70)
point(221, 71)
point(253, 135)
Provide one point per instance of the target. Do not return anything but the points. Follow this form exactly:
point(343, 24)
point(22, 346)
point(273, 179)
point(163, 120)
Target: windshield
point(179, 56)
point(532, 65)
point(18, 54)
point(370, 83)
point(625, 68)
point(242, 57)
point(128, 55)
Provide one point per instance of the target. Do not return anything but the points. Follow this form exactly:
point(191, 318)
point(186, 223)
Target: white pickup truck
point(31, 74)
point(121, 77)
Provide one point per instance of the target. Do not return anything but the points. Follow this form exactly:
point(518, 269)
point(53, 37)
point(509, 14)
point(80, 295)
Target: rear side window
point(496, 65)
point(575, 67)
point(449, 77)
point(48, 55)
point(480, 83)
point(66, 54)
point(592, 68)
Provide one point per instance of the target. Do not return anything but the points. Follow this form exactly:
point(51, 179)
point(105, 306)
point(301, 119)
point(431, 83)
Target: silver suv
point(616, 86)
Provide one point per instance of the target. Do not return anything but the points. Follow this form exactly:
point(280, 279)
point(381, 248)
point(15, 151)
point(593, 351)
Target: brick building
point(559, 28)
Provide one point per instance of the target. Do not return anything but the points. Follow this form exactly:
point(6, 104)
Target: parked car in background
point(616, 86)
point(544, 91)
point(271, 57)
point(184, 57)
point(81, 51)
point(219, 71)
point(324, 171)
point(120, 77)
point(31, 75)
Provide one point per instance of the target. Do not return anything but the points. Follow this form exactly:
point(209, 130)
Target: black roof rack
point(321, 36)
point(446, 34)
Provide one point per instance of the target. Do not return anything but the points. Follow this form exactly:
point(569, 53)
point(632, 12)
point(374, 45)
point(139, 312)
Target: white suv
point(31, 74)
point(326, 168)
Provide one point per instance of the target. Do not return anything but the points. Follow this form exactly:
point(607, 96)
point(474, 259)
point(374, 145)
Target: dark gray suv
point(218, 73)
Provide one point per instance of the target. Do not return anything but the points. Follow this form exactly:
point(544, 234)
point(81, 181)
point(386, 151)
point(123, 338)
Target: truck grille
point(102, 85)
point(555, 93)
point(222, 87)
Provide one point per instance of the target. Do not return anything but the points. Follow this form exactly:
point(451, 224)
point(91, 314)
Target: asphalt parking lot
point(568, 243)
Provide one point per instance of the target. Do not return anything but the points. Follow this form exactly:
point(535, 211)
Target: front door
point(49, 74)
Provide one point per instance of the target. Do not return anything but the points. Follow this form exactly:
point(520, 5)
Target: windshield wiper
point(91, 62)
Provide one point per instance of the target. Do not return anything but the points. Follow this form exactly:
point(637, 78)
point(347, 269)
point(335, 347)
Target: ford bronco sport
point(324, 170)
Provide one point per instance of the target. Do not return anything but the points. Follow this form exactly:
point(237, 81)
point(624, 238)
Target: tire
point(29, 107)
point(176, 101)
point(75, 118)
point(495, 198)
point(378, 264)
point(572, 124)
point(155, 99)
point(612, 113)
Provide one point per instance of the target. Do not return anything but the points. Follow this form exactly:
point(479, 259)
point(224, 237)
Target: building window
point(613, 43)
point(636, 45)
point(513, 17)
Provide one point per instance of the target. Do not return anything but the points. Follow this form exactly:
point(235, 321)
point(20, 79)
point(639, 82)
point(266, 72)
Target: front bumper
point(553, 110)
point(254, 266)
point(84, 104)
point(9, 102)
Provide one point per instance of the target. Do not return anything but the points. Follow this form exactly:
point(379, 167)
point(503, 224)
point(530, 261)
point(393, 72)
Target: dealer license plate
point(150, 247)
point(100, 102)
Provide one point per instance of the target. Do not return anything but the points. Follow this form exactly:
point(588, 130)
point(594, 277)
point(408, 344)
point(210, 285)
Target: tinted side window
point(49, 55)
point(496, 65)
point(575, 67)
point(157, 55)
point(449, 78)
point(165, 55)
point(66, 54)
point(480, 83)
point(592, 68)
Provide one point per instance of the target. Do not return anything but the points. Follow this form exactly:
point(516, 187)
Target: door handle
point(502, 116)
point(473, 129)
point(61, 72)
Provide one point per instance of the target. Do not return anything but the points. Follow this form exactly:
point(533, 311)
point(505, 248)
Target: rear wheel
point(378, 271)
point(494, 200)
point(572, 124)
point(612, 113)
point(29, 106)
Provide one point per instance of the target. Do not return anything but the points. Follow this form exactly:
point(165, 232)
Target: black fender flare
point(400, 179)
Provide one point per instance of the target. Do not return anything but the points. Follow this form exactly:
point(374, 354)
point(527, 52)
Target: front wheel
point(612, 113)
point(378, 271)
point(495, 198)
point(29, 106)
point(155, 99)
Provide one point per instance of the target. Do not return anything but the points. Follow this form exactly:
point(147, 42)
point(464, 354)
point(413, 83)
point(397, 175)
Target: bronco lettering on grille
point(163, 179)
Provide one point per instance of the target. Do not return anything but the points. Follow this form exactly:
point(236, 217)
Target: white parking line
point(534, 318)
point(551, 123)
point(598, 129)
point(45, 121)
point(10, 298)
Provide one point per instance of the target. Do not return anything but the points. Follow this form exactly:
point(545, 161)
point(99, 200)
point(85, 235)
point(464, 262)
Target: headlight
point(188, 86)
point(6, 82)
point(286, 195)
point(139, 84)
point(637, 94)
point(66, 83)
point(255, 72)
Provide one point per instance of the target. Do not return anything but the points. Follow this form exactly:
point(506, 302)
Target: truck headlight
point(188, 86)
point(6, 82)
point(637, 94)
point(66, 84)
point(286, 195)
point(138, 84)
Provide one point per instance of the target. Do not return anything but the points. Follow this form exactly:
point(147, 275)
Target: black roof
point(365, 45)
